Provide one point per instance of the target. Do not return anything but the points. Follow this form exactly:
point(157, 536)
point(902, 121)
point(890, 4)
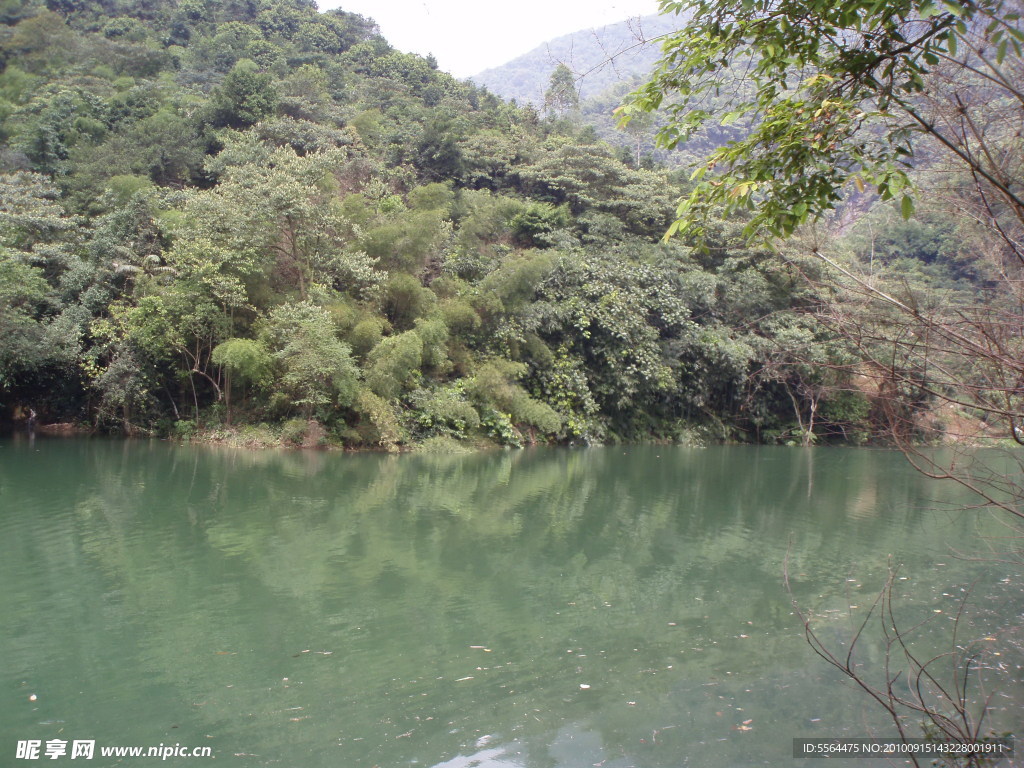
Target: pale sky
point(467, 36)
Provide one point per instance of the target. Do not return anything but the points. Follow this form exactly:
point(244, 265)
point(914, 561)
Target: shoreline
point(257, 437)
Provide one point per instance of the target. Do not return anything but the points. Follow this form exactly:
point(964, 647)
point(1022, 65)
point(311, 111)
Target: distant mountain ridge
point(601, 57)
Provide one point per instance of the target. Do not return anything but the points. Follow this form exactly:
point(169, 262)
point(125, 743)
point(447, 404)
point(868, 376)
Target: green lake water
point(551, 608)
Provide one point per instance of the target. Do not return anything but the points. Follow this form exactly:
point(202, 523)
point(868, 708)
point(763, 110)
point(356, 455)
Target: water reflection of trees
point(651, 575)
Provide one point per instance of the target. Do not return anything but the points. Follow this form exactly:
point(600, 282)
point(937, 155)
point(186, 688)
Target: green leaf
point(907, 207)
point(732, 117)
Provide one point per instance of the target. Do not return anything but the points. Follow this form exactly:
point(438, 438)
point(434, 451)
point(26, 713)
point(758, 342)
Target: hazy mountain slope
point(600, 57)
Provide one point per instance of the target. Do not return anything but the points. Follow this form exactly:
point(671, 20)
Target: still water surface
point(606, 607)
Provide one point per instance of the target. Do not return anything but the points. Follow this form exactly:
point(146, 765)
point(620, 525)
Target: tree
point(561, 98)
point(494, 387)
point(277, 210)
point(589, 177)
point(22, 288)
point(439, 151)
point(318, 372)
point(245, 359)
point(30, 215)
point(245, 97)
point(35, 239)
point(640, 128)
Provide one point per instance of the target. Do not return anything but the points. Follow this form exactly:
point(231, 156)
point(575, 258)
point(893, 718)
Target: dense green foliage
point(254, 212)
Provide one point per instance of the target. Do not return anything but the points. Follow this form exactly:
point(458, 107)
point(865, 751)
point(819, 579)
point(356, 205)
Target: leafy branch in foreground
point(832, 93)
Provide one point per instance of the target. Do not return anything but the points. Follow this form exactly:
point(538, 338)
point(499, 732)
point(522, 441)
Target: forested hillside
point(247, 217)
